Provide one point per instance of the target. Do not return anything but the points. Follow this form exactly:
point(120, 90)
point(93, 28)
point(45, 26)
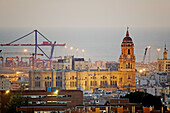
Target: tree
point(135, 97)
point(15, 100)
point(144, 98)
point(148, 100)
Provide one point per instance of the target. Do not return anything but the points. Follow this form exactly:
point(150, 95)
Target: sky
point(98, 26)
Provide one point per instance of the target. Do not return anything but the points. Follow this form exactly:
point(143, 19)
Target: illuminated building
point(51, 99)
point(71, 63)
point(4, 83)
point(164, 64)
point(123, 79)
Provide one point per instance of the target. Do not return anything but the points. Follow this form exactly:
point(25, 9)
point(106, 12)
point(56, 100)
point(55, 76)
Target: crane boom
point(144, 55)
point(31, 44)
point(36, 44)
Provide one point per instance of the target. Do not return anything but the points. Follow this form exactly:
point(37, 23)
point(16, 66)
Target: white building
point(71, 63)
point(152, 82)
point(4, 83)
point(143, 82)
point(155, 91)
point(161, 78)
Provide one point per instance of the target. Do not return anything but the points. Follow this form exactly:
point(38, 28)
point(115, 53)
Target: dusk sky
point(98, 26)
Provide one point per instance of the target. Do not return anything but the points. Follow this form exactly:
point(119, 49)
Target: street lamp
point(77, 49)
point(140, 71)
point(65, 50)
point(71, 48)
point(158, 50)
point(25, 50)
point(7, 91)
point(56, 92)
point(83, 52)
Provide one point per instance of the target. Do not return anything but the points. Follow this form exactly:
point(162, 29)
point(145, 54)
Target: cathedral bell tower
point(127, 58)
point(165, 53)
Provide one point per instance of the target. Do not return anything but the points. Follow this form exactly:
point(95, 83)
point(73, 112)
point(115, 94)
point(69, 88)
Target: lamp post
point(71, 48)
point(77, 49)
point(158, 50)
point(83, 52)
point(7, 91)
point(25, 51)
point(65, 50)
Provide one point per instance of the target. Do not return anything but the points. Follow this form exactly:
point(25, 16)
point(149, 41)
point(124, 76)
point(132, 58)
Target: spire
point(127, 32)
point(165, 53)
point(165, 48)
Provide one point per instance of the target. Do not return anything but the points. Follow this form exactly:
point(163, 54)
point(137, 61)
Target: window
point(37, 83)
point(128, 65)
point(70, 84)
point(101, 83)
point(37, 78)
point(95, 83)
point(85, 83)
point(128, 77)
point(73, 84)
point(115, 83)
point(56, 83)
point(105, 83)
point(128, 51)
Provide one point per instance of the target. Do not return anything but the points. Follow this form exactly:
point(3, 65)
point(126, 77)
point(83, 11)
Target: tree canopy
point(146, 99)
point(16, 100)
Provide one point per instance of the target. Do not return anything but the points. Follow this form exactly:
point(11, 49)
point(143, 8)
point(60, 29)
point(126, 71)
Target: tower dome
point(127, 38)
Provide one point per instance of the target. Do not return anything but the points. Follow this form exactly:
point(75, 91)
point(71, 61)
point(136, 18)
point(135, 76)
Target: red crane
point(37, 46)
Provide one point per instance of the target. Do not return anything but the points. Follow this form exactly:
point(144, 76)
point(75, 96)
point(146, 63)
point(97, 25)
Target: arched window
point(128, 65)
point(128, 51)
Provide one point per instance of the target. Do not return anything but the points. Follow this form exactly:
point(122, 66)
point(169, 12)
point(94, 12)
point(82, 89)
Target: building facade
point(88, 79)
point(164, 64)
point(46, 100)
point(70, 63)
point(4, 83)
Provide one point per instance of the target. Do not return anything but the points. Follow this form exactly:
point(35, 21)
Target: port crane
point(10, 61)
point(37, 46)
point(144, 55)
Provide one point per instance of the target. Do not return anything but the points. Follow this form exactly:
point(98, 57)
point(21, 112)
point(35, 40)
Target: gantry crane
point(36, 44)
point(11, 60)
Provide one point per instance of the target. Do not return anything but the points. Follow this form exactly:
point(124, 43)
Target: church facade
point(123, 79)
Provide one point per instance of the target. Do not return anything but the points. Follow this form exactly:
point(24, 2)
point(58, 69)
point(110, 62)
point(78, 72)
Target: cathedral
point(123, 79)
